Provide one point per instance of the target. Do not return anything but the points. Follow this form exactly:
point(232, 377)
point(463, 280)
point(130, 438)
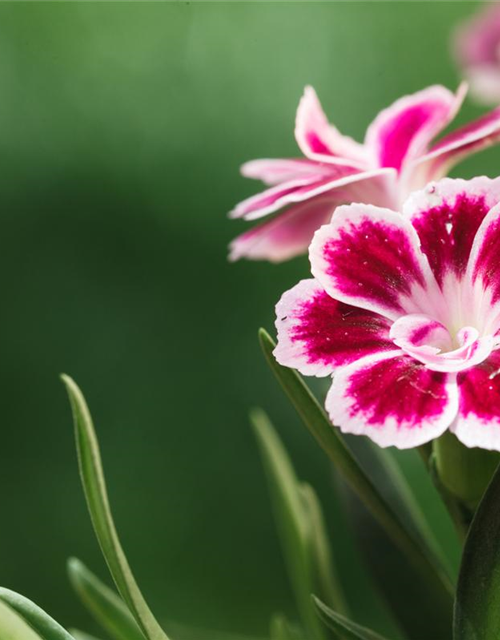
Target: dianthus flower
point(404, 312)
point(477, 49)
point(395, 159)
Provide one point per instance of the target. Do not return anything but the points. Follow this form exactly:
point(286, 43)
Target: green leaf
point(81, 635)
point(13, 627)
point(103, 603)
point(94, 485)
point(281, 629)
point(390, 570)
point(342, 625)
point(460, 514)
point(387, 564)
point(422, 558)
point(184, 632)
point(294, 523)
point(403, 498)
point(323, 568)
point(477, 605)
point(46, 627)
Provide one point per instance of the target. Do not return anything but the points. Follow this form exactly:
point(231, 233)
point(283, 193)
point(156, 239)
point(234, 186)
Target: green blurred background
point(122, 127)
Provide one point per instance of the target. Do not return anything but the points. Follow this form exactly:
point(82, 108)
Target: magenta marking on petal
point(487, 263)
point(466, 133)
point(419, 335)
point(269, 199)
point(397, 388)
point(479, 389)
point(459, 144)
point(336, 333)
point(299, 190)
point(373, 260)
point(397, 136)
point(316, 144)
point(447, 232)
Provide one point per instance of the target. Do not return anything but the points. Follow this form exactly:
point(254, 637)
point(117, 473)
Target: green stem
point(464, 473)
point(425, 452)
point(460, 516)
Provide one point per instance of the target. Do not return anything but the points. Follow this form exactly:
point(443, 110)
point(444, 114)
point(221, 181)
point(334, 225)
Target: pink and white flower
point(396, 158)
point(477, 50)
point(404, 311)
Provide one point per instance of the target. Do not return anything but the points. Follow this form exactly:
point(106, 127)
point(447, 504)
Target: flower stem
point(464, 472)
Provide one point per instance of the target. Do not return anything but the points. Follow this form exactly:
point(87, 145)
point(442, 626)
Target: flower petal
point(450, 150)
point(484, 273)
point(379, 189)
point(417, 330)
point(429, 342)
point(287, 235)
point(447, 215)
point(274, 171)
point(290, 233)
point(393, 400)
point(316, 333)
point(478, 421)
point(484, 83)
point(404, 130)
point(270, 200)
point(370, 257)
point(319, 140)
point(477, 39)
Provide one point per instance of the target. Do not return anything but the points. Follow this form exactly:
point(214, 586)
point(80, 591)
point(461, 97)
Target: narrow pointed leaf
point(281, 629)
point(477, 606)
point(81, 635)
point(329, 438)
point(403, 498)
point(13, 627)
point(394, 578)
point(293, 524)
point(103, 603)
point(184, 632)
point(94, 485)
point(342, 625)
point(323, 567)
point(45, 626)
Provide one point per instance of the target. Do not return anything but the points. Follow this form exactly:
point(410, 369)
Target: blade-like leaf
point(293, 521)
point(45, 626)
point(403, 498)
point(94, 485)
point(281, 629)
point(323, 568)
point(103, 603)
point(342, 625)
point(399, 586)
point(184, 632)
point(81, 635)
point(422, 558)
point(13, 627)
point(477, 605)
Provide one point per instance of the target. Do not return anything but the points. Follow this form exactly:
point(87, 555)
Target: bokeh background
point(122, 127)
